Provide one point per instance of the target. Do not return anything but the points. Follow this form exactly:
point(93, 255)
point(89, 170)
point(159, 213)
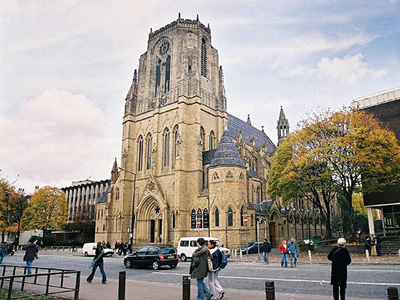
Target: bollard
point(399, 253)
point(269, 290)
point(121, 285)
point(309, 256)
point(185, 288)
point(367, 255)
point(241, 255)
point(393, 293)
point(236, 253)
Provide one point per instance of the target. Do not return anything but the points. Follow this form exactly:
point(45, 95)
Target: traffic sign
point(245, 220)
point(198, 222)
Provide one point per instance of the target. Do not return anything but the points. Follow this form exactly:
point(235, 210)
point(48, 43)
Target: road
point(364, 280)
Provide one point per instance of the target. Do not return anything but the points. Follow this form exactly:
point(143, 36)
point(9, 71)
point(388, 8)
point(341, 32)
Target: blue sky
point(66, 67)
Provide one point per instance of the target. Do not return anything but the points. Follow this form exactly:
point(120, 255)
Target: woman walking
point(340, 258)
point(216, 258)
point(284, 251)
point(98, 262)
point(30, 255)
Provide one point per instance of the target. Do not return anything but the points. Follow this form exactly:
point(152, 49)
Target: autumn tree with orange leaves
point(342, 152)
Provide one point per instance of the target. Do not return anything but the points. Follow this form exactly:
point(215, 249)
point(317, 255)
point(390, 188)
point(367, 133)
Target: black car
point(152, 256)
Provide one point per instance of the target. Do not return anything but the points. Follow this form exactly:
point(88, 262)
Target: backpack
point(224, 260)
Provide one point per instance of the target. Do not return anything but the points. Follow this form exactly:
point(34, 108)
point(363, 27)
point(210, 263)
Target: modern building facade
point(188, 167)
point(385, 107)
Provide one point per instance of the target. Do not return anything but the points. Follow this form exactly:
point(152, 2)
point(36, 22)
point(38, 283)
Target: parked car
point(89, 249)
point(252, 248)
point(153, 256)
point(187, 245)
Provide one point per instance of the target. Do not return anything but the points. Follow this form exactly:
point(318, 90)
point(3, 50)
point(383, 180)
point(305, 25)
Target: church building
point(188, 167)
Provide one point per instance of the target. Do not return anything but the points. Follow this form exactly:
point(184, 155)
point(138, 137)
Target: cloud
point(349, 69)
point(55, 138)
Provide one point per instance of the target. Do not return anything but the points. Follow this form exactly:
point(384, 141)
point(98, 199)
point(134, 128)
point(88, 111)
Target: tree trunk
point(328, 225)
point(349, 199)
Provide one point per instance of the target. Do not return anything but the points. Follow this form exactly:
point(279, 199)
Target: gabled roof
point(248, 132)
point(226, 153)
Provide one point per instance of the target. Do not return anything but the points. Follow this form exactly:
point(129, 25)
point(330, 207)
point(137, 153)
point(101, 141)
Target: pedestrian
point(30, 254)
point(368, 244)
point(378, 246)
point(266, 250)
point(98, 262)
point(73, 246)
point(293, 250)
point(216, 258)
point(108, 245)
point(199, 269)
point(283, 250)
point(2, 252)
point(340, 258)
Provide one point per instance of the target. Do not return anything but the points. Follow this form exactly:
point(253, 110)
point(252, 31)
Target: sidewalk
point(136, 290)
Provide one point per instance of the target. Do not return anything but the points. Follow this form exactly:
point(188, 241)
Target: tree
point(46, 210)
point(340, 152)
point(84, 223)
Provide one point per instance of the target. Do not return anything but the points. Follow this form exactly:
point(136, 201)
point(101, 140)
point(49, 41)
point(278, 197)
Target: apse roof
point(226, 153)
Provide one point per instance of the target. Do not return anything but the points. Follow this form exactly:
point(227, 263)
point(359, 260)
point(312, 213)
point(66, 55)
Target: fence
point(43, 281)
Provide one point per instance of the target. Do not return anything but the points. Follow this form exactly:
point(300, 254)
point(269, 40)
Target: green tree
point(46, 210)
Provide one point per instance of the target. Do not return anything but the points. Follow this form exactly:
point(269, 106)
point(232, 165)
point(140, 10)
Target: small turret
point(248, 120)
point(114, 171)
point(282, 126)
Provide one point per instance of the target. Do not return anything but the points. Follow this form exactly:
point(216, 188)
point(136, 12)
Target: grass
point(18, 294)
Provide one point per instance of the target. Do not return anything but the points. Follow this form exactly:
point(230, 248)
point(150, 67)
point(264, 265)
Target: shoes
point(221, 295)
point(104, 282)
point(211, 297)
point(88, 280)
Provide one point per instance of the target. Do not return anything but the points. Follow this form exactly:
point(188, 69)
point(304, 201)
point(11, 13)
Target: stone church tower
point(188, 168)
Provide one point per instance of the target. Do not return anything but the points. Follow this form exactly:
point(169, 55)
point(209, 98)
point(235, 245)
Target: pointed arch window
point(229, 175)
point(203, 57)
point(176, 137)
point(158, 75)
point(202, 137)
point(199, 217)
point(173, 220)
point(230, 217)
point(167, 74)
point(149, 151)
point(241, 216)
point(216, 216)
point(211, 140)
point(241, 177)
point(258, 195)
point(215, 176)
point(193, 219)
point(166, 147)
point(117, 194)
point(206, 218)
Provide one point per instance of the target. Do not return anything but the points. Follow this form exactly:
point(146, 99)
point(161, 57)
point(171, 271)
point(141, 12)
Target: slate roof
point(248, 132)
point(226, 153)
point(263, 206)
point(208, 156)
point(104, 196)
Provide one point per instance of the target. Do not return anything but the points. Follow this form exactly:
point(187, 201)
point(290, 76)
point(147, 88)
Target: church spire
point(114, 171)
point(248, 119)
point(282, 126)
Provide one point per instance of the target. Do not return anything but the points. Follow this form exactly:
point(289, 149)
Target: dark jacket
point(267, 247)
point(340, 258)
point(30, 253)
point(99, 255)
point(216, 258)
point(199, 264)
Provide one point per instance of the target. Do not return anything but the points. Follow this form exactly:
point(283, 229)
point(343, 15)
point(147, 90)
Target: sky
point(66, 67)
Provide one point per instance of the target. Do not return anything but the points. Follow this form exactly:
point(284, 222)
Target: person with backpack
point(266, 250)
point(98, 262)
point(218, 259)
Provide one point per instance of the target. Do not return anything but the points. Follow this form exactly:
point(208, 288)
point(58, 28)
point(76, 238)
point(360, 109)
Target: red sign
point(245, 220)
point(198, 222)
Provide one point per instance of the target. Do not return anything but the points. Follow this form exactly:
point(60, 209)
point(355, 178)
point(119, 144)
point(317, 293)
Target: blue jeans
point(293, 257)
point(101, 267)
point(284, 260)
point(266, 257)
point(29, 264)
point(202, 290)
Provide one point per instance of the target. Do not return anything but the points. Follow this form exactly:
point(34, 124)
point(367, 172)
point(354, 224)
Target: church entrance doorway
point(150, 222)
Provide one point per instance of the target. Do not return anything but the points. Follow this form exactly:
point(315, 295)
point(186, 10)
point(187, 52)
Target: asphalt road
point(364, 281)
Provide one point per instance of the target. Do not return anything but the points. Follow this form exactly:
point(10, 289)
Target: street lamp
point(133, 203)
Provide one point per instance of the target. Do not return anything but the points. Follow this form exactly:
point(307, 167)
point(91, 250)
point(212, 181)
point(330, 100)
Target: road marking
point(290, 280)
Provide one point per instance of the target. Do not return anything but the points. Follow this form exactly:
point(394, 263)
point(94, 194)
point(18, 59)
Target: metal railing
point(14, 277)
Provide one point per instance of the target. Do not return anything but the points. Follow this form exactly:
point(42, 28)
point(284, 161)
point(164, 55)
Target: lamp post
point(133, 203)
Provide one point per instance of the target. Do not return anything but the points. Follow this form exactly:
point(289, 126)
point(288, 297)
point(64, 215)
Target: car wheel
point(86, 254)
point(173, 266)
point(183, 257)
point(128, 264)
point(156, 265)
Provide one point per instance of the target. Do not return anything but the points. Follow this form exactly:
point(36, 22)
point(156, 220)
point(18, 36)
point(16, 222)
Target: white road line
point(289, 280)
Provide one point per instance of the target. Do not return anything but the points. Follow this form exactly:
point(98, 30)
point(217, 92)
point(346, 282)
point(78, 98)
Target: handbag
point(210, 264)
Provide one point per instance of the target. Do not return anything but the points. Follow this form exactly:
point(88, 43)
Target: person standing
point(98, 262)
point(2, 252)
point(30, 255)
point(266, 250)
point(283, 250)
point(199, 269)
point(216, 258)
point(340, 258)
point(293, 250)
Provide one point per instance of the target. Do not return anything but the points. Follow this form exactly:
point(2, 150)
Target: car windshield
point(168, 250)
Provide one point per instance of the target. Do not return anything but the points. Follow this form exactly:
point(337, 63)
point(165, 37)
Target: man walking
point(340, 258)
point(266, 250)
point(199, 269)
point(30, 255)
point(293, 251)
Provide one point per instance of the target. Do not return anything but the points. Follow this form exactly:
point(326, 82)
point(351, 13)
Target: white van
point(187, 245)
point(89, 249)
